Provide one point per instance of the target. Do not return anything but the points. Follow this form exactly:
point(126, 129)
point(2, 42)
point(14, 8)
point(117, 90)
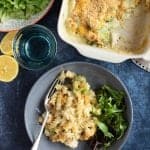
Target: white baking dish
point(91, 51)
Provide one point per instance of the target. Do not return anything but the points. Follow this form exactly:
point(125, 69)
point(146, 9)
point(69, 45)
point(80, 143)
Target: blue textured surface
point(13, 95)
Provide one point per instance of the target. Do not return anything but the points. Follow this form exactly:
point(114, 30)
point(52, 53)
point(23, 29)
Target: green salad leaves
point(20, 9)
point(110, 121)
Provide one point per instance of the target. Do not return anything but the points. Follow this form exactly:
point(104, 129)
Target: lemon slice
point(8, 68)
point(6, 43)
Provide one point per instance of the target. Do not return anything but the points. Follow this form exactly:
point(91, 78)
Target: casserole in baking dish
point(107, 30)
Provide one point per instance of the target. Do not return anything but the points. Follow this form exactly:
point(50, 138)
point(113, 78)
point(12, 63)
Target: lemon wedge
point(6, 43)
point(8, 68)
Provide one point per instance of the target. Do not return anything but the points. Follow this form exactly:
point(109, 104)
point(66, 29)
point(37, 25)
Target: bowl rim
point(128, 131)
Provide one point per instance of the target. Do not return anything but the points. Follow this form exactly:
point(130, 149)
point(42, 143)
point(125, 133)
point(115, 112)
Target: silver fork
point(49, 94)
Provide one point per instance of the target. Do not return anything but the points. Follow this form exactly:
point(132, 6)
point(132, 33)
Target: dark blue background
point(13, 95)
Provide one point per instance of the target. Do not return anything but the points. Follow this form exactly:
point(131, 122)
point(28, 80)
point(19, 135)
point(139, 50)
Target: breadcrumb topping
point(88, 17)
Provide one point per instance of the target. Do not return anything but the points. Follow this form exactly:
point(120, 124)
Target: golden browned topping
point(147, 3)
point(90, 13)
point(88, 17)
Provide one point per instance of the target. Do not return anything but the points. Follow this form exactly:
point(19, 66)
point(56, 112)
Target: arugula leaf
point(103, 127)
point(111, 121)
point(20, 9)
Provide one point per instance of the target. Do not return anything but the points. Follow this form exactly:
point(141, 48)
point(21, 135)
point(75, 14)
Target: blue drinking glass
point(34, 47)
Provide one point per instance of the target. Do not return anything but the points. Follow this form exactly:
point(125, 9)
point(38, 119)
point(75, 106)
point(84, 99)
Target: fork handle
point(37, 141)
